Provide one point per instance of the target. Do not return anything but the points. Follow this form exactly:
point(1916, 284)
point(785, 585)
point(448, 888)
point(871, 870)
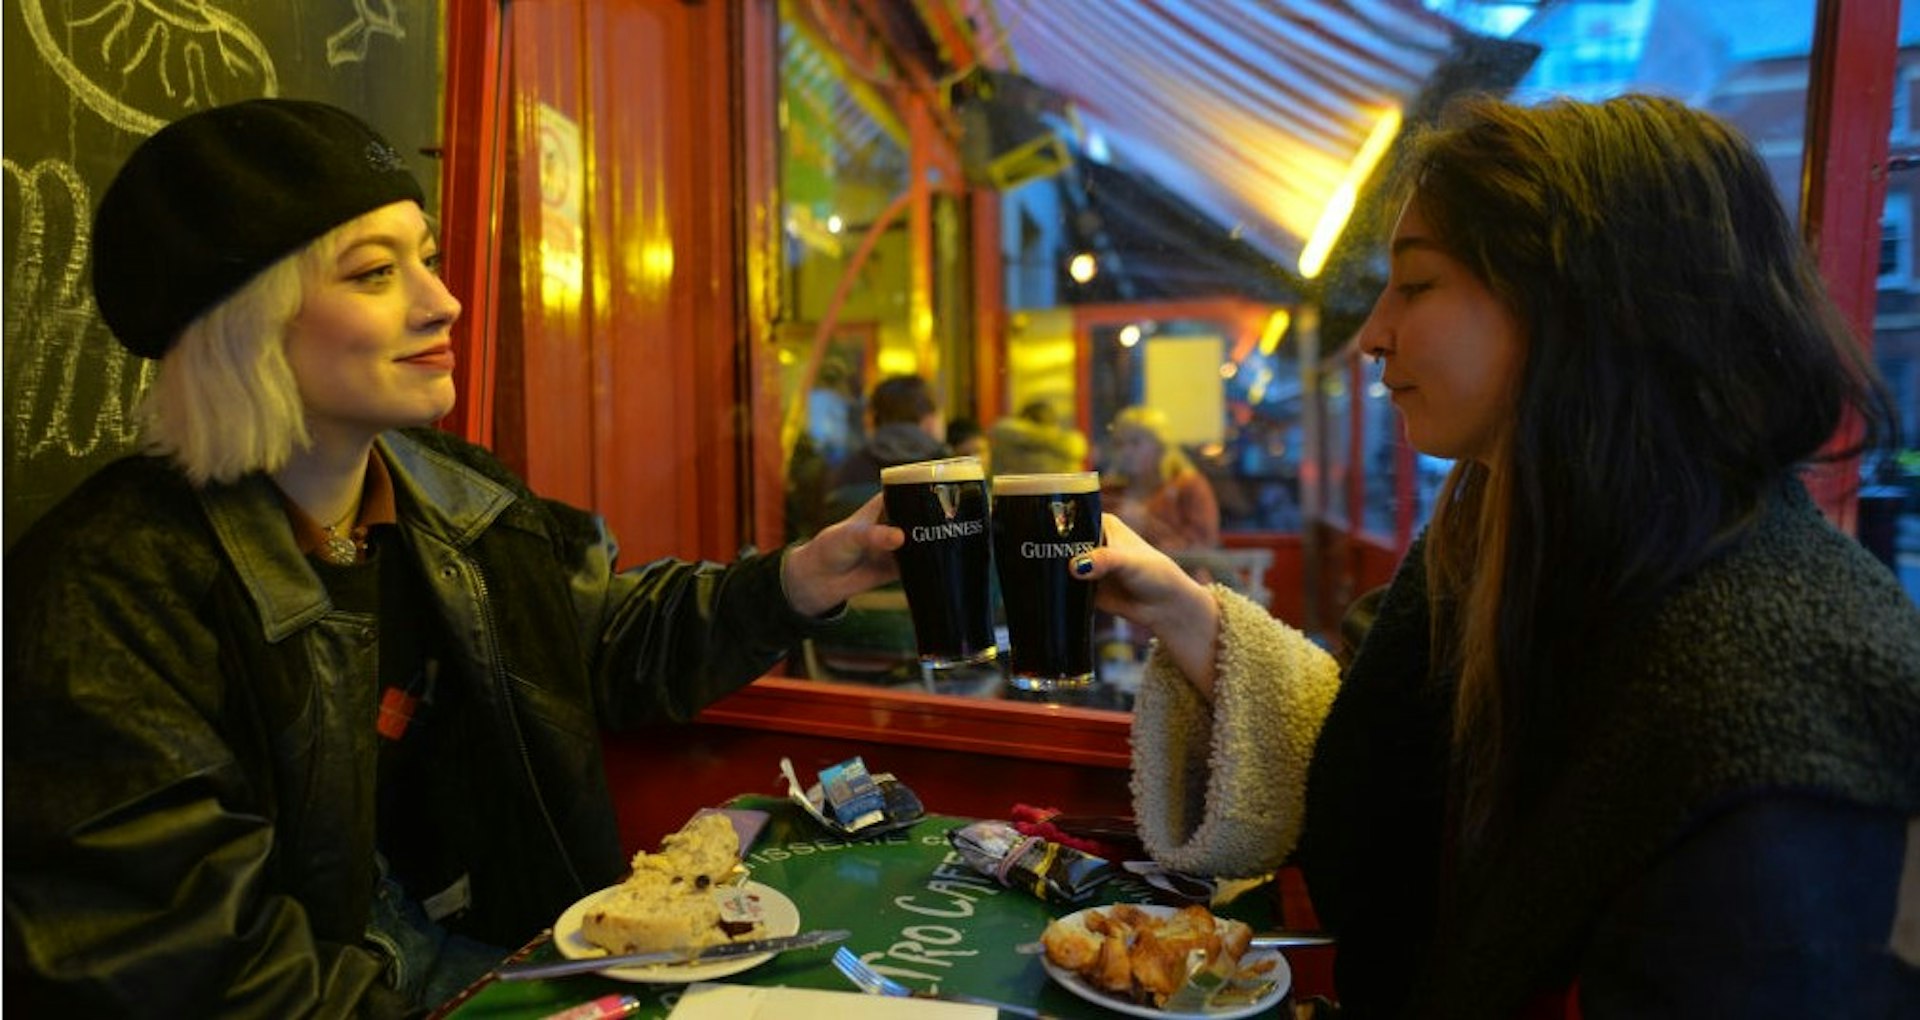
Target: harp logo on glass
point(949, 497)
point(1063, 514)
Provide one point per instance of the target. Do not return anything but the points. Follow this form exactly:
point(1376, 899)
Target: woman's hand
point(843, 560)
point(1140, 584)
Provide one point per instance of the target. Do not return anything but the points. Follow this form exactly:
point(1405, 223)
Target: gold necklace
point(340, 547)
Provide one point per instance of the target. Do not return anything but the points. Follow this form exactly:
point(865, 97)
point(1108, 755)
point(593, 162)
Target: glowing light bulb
point(1083, 267)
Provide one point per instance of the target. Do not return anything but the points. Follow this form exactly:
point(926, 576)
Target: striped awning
point(1254, 110)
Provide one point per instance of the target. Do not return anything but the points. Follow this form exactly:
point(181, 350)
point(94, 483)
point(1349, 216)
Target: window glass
point(1160, 204)
point(843, 165)
point(1259, 462)
point(1229, 389)
point(1890, 495)
point(1380, 475)
point(1336, 442)
point(1746, 61)
point(1896, 243)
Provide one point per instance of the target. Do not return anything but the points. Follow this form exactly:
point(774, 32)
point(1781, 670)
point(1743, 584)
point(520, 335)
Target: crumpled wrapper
point(901, 807)
point(1046, 869)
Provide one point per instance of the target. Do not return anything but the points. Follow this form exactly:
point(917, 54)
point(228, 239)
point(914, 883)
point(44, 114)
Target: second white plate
point(1281, 975)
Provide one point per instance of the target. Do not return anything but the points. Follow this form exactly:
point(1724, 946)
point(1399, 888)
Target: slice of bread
point(668, 901)
point(704, 851)
point(656, 913)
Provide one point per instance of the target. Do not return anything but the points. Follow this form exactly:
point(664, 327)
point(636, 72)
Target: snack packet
point(852, 794)
point(852, 803)
point(1046, 869)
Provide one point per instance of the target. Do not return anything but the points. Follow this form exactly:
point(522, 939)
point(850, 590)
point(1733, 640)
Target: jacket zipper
point(501, 683)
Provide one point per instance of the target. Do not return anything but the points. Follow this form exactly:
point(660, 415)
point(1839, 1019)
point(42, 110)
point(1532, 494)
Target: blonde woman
point(1152, 485)
point(303, 703)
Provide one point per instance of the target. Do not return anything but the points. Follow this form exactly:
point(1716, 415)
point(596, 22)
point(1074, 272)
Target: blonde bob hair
point(1152, 423)
point(225, 402)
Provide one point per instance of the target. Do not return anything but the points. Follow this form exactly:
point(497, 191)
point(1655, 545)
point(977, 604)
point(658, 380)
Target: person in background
point(1154, 487)
point(907, 427)
point(965, 439)
point(1035, 441)
point(805, 496)
point(303, 703)
point(833, 423)
point(1631, 732)
point(833, 415)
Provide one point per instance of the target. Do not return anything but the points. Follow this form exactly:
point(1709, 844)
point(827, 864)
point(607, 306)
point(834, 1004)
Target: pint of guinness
point(946, 567)
point(1039, 523)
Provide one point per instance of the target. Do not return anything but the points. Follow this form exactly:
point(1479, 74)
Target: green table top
point(917, 912)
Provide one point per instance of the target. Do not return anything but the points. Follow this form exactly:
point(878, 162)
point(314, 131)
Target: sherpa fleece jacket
point(1729, 840)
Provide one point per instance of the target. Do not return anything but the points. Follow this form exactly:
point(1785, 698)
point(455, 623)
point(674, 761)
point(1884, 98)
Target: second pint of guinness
point(1039, 523)
point(946, 567)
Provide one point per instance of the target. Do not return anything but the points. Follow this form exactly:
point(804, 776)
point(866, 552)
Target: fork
point(871, 981)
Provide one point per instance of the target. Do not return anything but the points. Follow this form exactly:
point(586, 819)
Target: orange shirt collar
point(376, 507)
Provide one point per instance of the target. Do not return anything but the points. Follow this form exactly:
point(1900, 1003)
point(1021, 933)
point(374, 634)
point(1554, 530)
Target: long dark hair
point(1683, 360)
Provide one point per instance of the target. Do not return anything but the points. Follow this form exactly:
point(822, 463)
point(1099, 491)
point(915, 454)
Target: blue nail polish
point(1083, 564)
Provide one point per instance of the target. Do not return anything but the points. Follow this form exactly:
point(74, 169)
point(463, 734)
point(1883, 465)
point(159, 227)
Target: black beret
point(211, 199)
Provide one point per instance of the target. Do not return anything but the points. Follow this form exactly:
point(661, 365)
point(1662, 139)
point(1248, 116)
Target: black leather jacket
point(190, 750)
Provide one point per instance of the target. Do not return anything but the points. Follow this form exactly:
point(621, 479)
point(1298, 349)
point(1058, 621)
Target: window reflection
point(1749, 63)
point(1119, 196)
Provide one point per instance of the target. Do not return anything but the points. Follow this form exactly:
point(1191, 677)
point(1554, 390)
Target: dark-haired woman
point(1633, 730)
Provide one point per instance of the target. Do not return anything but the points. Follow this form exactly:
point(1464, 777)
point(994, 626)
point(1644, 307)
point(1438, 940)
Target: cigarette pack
point(852, 795)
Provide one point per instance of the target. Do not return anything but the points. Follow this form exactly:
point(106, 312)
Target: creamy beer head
point(951, 469)
point(1068, 484)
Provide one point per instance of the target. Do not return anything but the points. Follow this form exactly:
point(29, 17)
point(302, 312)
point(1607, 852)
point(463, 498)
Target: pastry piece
point(668, 901)
point(1112, 969)
point(1160, 954)
point(1070, 945)
point(652, 913)
point(704, 851)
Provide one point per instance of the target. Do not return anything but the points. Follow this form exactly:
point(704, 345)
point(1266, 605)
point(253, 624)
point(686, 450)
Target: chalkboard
point(85, 81)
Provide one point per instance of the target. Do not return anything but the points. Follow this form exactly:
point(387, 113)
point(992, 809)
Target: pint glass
point(946, 567)
point(1039, 523)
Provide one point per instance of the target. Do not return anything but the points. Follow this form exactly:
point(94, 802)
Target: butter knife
point(1290, 939)
point(725, 950)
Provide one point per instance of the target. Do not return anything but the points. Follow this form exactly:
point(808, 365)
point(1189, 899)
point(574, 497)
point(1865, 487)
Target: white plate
point(777, 916)
point(1281, 975)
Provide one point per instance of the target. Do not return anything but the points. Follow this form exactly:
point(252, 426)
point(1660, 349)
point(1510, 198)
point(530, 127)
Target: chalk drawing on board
point(350, 44)
point(69, 390)
point(182, 54)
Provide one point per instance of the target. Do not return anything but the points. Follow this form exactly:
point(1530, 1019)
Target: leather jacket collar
point(437, 497)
